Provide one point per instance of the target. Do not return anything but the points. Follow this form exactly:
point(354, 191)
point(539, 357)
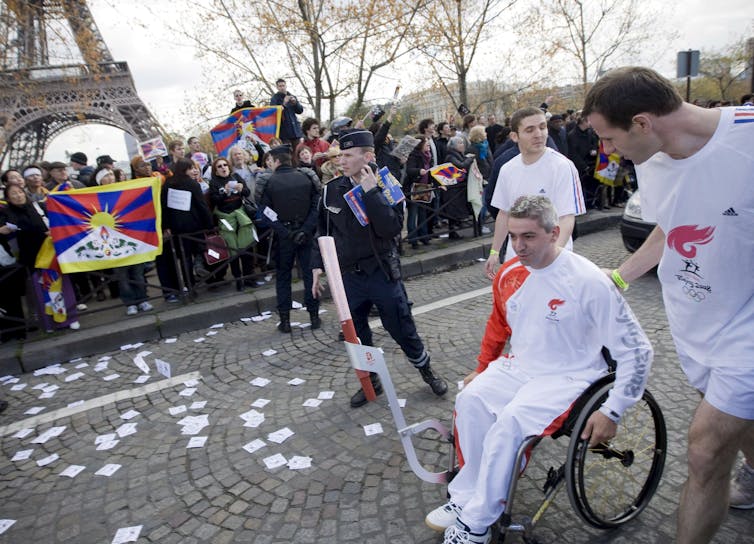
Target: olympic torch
point(335, 281)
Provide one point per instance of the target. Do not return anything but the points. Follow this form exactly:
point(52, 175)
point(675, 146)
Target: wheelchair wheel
point(611, 484)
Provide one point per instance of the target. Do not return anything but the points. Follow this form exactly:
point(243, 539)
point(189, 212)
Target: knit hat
point(79, 158)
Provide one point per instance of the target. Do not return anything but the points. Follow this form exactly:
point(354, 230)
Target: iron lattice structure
point(42, 95)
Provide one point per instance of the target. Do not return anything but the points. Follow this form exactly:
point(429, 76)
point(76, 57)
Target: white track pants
point(494, 414)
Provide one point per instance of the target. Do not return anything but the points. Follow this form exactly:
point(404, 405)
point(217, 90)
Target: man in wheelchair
point(558, 310)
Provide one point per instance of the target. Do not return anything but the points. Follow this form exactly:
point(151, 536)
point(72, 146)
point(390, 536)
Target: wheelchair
point(608, 485)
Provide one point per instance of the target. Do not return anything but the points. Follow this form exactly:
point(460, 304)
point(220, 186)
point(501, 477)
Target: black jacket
point(580, 145)
point(358, 246)
point(294, 196)
point(198, 216)
point(31, 232)
point(223, 201)
point(290, 128)
point(383, 151)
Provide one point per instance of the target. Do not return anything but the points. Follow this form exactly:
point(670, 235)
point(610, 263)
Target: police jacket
point(293, 196)
point(359, 248)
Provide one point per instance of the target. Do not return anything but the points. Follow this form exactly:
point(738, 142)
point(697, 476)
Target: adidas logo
point(730, 212)
point(542, 191)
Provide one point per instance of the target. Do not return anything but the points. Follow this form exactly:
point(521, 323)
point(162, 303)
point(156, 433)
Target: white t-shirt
point(705, 206)
point(553, 176)
point(560, 318)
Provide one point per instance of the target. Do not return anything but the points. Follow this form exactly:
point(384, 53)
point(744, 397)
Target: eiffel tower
point(56, 72)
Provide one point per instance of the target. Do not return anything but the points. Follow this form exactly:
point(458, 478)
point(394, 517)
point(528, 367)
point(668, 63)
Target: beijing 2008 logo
point(553, 305)
point(685, 240)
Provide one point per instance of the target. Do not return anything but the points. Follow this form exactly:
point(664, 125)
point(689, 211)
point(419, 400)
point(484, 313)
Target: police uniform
point(294, 197)
point(368, 257)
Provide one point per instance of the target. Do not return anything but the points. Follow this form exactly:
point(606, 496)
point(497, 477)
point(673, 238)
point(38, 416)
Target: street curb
point(440, 256)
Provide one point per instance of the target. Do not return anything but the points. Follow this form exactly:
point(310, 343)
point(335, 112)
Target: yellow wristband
point(494, 252)
point(619, 282)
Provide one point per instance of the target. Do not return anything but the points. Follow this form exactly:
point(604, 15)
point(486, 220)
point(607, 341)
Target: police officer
point(368, 257)
point(289, 203)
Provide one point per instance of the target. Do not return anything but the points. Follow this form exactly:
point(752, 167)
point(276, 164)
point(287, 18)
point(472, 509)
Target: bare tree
point(726, 68)
point(458, 28)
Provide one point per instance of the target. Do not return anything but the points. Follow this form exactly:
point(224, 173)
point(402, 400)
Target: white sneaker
point(75, 325)
point(486, 230)
point(459, 534)
point(443, 516)
point(132, 310)
point(742, 488)
point(81, 307)
point(145, 306)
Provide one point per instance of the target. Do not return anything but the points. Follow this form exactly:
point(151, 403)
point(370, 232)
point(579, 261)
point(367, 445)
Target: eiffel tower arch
point(41, 95)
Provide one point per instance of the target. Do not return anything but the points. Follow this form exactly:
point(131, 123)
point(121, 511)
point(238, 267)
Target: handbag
point(216, 250)
point(422, 192)
point(249, 207)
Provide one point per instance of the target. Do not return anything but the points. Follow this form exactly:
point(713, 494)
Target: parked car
point(633, 228)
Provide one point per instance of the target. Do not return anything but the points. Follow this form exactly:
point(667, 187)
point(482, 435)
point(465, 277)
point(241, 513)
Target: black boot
point(285, 322)
point(438, 385)
point(359, 398)
point(314, 319)
point(239, 285)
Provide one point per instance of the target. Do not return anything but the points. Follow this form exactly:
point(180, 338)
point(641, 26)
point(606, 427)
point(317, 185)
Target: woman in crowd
point(56, 302)
point(35, 185)
point(454, 202)
point(227, 191)
point(415, 186)
point(184, 211)
point(142, 169)
point(480, 147)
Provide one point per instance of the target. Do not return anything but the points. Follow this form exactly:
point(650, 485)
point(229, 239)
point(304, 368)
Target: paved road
point(358, 489)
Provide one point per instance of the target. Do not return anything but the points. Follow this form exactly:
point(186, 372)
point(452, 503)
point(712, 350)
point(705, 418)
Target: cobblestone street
point(359, 488)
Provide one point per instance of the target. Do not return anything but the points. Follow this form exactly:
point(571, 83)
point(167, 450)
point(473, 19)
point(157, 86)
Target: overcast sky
point(166, 74)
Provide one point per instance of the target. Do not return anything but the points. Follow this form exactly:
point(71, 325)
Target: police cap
point(280, 150)
point(356, 138)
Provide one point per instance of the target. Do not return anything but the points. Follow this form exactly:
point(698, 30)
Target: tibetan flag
point(606, 170)
point(104, 227)
point(153, 148)
point(448, 174)
point(247, 126)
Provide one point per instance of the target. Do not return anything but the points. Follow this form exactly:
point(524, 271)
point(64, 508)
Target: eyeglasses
point(223, 166)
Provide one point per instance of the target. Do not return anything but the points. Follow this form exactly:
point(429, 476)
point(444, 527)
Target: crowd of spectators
point(225, 191)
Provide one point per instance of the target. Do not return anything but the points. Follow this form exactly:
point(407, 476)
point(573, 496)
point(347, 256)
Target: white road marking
point(98, 402)
point(376, 323)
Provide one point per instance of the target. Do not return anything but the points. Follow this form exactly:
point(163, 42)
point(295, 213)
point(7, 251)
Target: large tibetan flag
point(104, 227)
point(606, 169)
point(447, 173)
point(247, 126)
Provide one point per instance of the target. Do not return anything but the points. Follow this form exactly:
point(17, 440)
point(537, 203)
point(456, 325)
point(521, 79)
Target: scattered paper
point(259, 382)
point(50, 370)
point(162, 367)
point(297, 462)
point(108, 445)
point(108, 470)
point(274, 461)
point(252, 418)
point(296, 305)
point(111, 377)
point(192, 425)
point(217, 326)
point(260, 403)
point(47, 395)
point(312, 403)
point(51, 388)
point(99, 367)
point(73, 377)
point(82, 365)
point(75, 403)
point(295, 323)
point(254, 445)
point(191, 383)
point(373, 428)
point(137, 345)
point(47, 460)
point(22, 455)
point(140, 363)
point(246, 319)
point(188, 392)
point(23, 433)
point(20, 386)
point(34, 411)
point(105, 438)
point(129, 415)
point(76, 360)
point(40, 386)
point(326, 395)
point(196, 442)
point(269, 352)
point(296, 381)
point(49, 433)
point(127, 534)
point(175, 410)
point(142, 379)
point(402, 403)
point(124, 347)
point(104, 358)
point(72, 471)
point(280, 435)
point(171, 340)
point(303, 325)
point(5, 524)
point(211, 333)
point(200, 339)
point(460, 385)
point(258, 318)
point(198, 405)
point(11, 380)
point(126, 429)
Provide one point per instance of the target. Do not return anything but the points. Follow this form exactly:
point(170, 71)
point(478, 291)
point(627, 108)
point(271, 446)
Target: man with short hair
point(240, 102)
point(540, 308)
point(427, 129)
point(368, 257)
point(695, 169)
point(82, 172)
point(539, 170)
point(289, 201)
point(201, 158)
point(492, 129)
point(59, 176)
point(290, 128)
point(176, 151)
point(557, 131)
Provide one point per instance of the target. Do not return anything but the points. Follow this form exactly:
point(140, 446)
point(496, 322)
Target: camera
point(377, 113)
